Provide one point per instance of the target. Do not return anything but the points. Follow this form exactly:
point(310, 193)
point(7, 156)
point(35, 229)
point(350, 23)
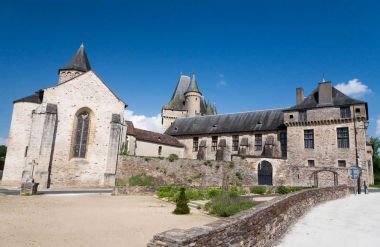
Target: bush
point(147, 159)
point(234, 191)
point(120, 182)
point(231, 164)
point(223, 206)
point(181, 203)
point(195, 194)
point(141, 180)
point(172, 157)
point(213, 192)
point(261, 190)
point(239, 176)
point(282, 190)
point(207, 163)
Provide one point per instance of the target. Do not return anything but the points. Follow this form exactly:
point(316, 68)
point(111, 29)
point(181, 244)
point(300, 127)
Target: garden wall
point(260, 226)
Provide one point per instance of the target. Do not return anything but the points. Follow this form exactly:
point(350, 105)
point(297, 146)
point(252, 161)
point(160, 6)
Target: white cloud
point(3, 141)
point(222, 81)
point(354, 88)
point(378, 127)
point(143, 122)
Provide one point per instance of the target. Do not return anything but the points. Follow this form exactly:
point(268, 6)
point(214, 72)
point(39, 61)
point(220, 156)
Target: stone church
point(67, 134)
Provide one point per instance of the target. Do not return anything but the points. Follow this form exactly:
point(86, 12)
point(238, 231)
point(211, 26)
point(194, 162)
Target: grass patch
point(141, 180)
point(375, 186)
point(120, 182)
point(261, 190)
point(224, 206)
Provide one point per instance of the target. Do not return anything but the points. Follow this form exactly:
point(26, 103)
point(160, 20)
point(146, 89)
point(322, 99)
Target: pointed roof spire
point(79, 62)
point(193, 86)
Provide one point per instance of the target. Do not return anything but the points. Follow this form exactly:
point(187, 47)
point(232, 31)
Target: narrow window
point(26, 151)
point(283, 142)
point(214, 144)
point(341, 163)
point(343, 139)
point(258, 142)
point(159, 150)
point(345, 112)
point(302, 116)
point(311, 163)
point(291, 116)
point(235, 143)
point(195, 144)
point(81, 135)
point(309, 138)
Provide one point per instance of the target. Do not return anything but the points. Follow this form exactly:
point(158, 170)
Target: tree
point(375, 141)
point(181, 203)
point(3, 151)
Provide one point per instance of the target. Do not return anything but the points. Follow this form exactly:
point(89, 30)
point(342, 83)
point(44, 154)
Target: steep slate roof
point(79, 62)
point(177, 100)
point(338, 99)
point(34, 98)
point(149, 136)
point(228, 123)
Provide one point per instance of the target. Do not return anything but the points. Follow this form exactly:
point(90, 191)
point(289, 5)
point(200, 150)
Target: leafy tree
point(375, 141)
point(3, 150)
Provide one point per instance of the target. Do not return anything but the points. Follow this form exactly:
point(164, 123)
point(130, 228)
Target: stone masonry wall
point(259, 226)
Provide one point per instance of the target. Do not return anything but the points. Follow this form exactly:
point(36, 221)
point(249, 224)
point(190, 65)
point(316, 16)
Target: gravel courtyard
point(88, 220)
point(352, 221)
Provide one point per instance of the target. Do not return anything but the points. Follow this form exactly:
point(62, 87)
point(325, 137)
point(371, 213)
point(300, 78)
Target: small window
point(341, 163)
point(309, 139)
point(291, 116)
point(195, 144)
point(302, 116)
point(357, 110)
point(159, 150)
point(214, 144)
point(345, 112)
point(258, 142)
point(343, 137)
point(311, 163)
point(235, 143)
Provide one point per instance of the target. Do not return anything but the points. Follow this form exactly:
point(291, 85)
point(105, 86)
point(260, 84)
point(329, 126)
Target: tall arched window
point(81, 135)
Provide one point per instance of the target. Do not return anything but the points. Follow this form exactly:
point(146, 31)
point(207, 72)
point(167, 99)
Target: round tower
point(193, 98)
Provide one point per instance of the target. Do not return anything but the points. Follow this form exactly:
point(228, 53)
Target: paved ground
point(88, 220)
point(352, 221)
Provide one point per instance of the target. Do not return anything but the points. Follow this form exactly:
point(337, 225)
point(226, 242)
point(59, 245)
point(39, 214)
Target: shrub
point(213, 192)
point(172, 157)
point(234, 191)
point(195, 194)
point(181, 203)
point(282, 190)
point(261, 190)
point(207, 163)
point(231, 164)
point(147, 159)
point(120, 182)
point(239, 176)
point(141, 180)
point(223, 206)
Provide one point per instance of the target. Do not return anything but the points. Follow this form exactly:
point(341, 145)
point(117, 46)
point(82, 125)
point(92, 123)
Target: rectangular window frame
point(235, 143)
point(310, 163)
point(195, 144)
point(214, 143)
point(258, 142)
point(284, 143)
point(343, 137)
point(302, 116)
point(340, 162)
point(345, 112)
point(309, 138)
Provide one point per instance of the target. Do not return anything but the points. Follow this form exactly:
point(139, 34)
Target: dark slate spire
point(193, 86)
point(79, 62)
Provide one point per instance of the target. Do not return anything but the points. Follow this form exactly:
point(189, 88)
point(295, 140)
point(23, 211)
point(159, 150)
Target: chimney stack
point(299, 95)
point(325, 93)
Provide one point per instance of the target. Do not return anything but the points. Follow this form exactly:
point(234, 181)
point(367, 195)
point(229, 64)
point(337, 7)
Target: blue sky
point(247, 55)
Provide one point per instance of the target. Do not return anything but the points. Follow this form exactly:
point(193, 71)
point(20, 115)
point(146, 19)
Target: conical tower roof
point(193, 86)
point(79, 62)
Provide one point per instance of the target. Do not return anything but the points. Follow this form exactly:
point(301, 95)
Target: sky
point(247, 55)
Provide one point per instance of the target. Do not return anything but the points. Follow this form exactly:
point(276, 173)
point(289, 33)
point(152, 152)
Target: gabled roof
point(150, 136)
point(338, 99)
point(34, 98)
point(79, 62)
point(266, 120)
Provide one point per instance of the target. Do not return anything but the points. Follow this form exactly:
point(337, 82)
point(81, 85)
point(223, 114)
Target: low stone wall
point(260, 226)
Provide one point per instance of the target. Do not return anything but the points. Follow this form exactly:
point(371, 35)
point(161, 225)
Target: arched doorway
point(265, 173)
point(325, 178)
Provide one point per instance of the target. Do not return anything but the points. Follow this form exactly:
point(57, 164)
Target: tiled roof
point(228, 123)
point(79, 62)
point(150, 136)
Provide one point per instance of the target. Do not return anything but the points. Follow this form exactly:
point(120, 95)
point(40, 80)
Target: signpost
point(354, 173)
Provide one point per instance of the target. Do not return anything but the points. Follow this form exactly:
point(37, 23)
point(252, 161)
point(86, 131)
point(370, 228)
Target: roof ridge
point(234, 113)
